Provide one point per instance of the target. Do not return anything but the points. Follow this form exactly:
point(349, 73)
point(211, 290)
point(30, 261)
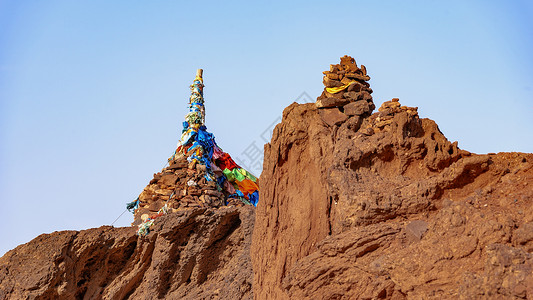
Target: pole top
point(199, 73)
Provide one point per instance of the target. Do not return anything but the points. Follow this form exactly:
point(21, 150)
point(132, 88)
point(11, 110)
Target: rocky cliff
point(353, 205)
point(192, 254)
point(384, 206)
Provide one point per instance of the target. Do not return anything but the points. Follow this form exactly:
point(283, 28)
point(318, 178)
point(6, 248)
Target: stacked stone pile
point(181, 185)
point(346, 89)
point(199, 174)
point(381, 121)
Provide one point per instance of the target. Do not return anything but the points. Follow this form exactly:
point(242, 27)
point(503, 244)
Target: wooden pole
point(199, 73)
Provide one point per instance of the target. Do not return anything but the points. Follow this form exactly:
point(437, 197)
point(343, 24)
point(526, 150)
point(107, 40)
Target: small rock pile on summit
point(185, 184)
point(346, 93)
point(385, 116)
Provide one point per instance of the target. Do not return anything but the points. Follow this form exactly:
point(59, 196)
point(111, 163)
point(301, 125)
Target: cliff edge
point(360, 206)
point(194, 254)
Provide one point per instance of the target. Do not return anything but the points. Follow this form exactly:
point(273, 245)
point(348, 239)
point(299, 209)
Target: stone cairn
point(198, 175)
point(347, 90)
point(347, 95)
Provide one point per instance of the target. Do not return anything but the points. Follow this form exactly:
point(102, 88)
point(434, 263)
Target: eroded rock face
point(384, 206)
point(354, 205)
point(192, 254)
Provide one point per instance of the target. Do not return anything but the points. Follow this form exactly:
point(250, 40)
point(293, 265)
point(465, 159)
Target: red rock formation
point(198, 246)
point(357, 207)
point(353, 205)
point(191, 254)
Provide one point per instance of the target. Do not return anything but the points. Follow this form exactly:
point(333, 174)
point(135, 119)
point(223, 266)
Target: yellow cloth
point(337, 89)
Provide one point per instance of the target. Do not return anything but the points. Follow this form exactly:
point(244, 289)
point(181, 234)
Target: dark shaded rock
point(331, 83)
point(354, 87)
point(357, 108)
point(178, 165)
point(214, 193)
point(351, 95)
point(365, 95)
point(155, 206)
point(194, 191)
point(332, 116)
point(357, 76)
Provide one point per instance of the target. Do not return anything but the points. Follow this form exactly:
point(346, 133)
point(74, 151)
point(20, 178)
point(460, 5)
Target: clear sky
point(93, 93)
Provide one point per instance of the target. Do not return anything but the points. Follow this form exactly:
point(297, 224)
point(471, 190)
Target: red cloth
point(226, 162)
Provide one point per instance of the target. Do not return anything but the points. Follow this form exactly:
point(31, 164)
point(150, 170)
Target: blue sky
point(93, 93)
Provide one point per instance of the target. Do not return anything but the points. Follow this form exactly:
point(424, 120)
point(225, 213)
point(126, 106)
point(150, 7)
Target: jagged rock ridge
point(384, 206)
